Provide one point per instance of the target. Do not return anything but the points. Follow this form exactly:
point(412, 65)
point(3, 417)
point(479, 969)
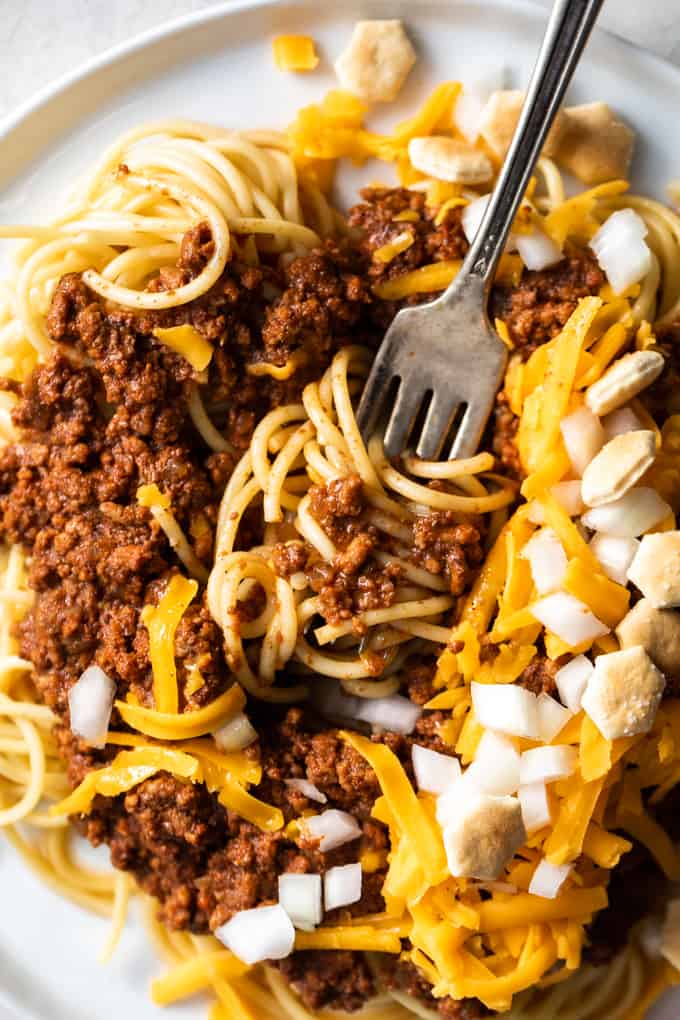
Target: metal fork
point(444, 356)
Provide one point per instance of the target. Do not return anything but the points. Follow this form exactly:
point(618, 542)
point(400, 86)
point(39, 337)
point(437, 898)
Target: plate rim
point(129, 48)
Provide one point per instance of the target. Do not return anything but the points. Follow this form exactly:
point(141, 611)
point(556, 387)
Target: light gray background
point(43, 39)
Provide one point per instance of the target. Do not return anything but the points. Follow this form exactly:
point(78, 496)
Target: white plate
point(217, 66)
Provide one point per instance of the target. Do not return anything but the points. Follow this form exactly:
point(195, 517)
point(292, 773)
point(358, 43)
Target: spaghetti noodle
point(256, 199)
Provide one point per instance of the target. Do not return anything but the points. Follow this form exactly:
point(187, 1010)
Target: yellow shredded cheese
point(607, 599)
point(185, 726)
point(128, 769)
point(161, 621)
point(545, 407)
point(351, 937)
point(195, 975)
point(414, 822)
point(426, 280)
point(387, 252)
point(188, 342)
point(151, 495)
point(294, 53)
point(279, 372)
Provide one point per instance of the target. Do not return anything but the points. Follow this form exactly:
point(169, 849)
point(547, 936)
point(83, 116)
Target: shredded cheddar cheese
point(128, 769)
point(161, 621)
point(389, 251)
point(151, 495)
point(426, 280)
point(279, 372)
point(294, 53)
point(186, 725)
point(188, 342)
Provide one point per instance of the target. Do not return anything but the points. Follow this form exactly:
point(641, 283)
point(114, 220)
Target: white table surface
point(43, 39)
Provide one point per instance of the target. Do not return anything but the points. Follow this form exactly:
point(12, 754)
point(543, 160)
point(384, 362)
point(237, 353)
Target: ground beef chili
point(109, 412)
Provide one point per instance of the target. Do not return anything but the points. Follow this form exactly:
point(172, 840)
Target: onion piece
point(496, 766)
point(264, 933)
point(621, 249)
point(506, 708)
point(435, 772)
point(472, 216)
point(618, 422)
point(467, 112)
point(329, 699)
point(548, 879)
point(538, 251)
point(583, 437)
point(536, 512)
point(569, 618)
point(547, 560)
point(568, 495)
point(546, 764)
point(300, 897)
point(635, 512)
point(395, 713)
point(552, 717)
point(307, 789)
point(342, 886)
point(572, 681)
point(536, 813)
point(90, 701)
point(332, 828)
point(615, 555)
point(236, 734)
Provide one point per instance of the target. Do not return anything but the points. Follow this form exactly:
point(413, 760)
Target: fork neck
point(569, 27)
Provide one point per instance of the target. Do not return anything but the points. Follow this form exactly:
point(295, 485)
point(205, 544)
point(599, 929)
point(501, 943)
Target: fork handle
point(570, 25)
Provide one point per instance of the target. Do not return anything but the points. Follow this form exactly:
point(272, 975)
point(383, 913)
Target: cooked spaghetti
point(214, 590)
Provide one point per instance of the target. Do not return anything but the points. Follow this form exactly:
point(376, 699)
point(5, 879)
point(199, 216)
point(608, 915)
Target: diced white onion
point(448, 803)
point(621, 250)
point(536, 813)
point(90, 701)
point(307, 789)
point(434, 772)
point(637, 511)
point(472, 216)
point(583, 437)
point(264, 933)
point(548, 879)
point(471, 101)
point(568, 495)
point(328, 697)
point(342, 886)
point(618, 422)
point(552, 717)
point(468, 113)
point(300, 897)
point(236, 734)
point(572, 681)
point(395, 713)
point(332, 828)
point(546, 764)
point(495, 769)
point(537, 251)
point(536, 512)
point(547, 560)
point(615, 555)
point(506, 708)
point(568, 617)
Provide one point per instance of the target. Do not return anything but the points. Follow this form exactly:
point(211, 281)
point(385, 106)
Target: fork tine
point(471, 428)
point(375, 391)
point(406, 406)
point(437, 424)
